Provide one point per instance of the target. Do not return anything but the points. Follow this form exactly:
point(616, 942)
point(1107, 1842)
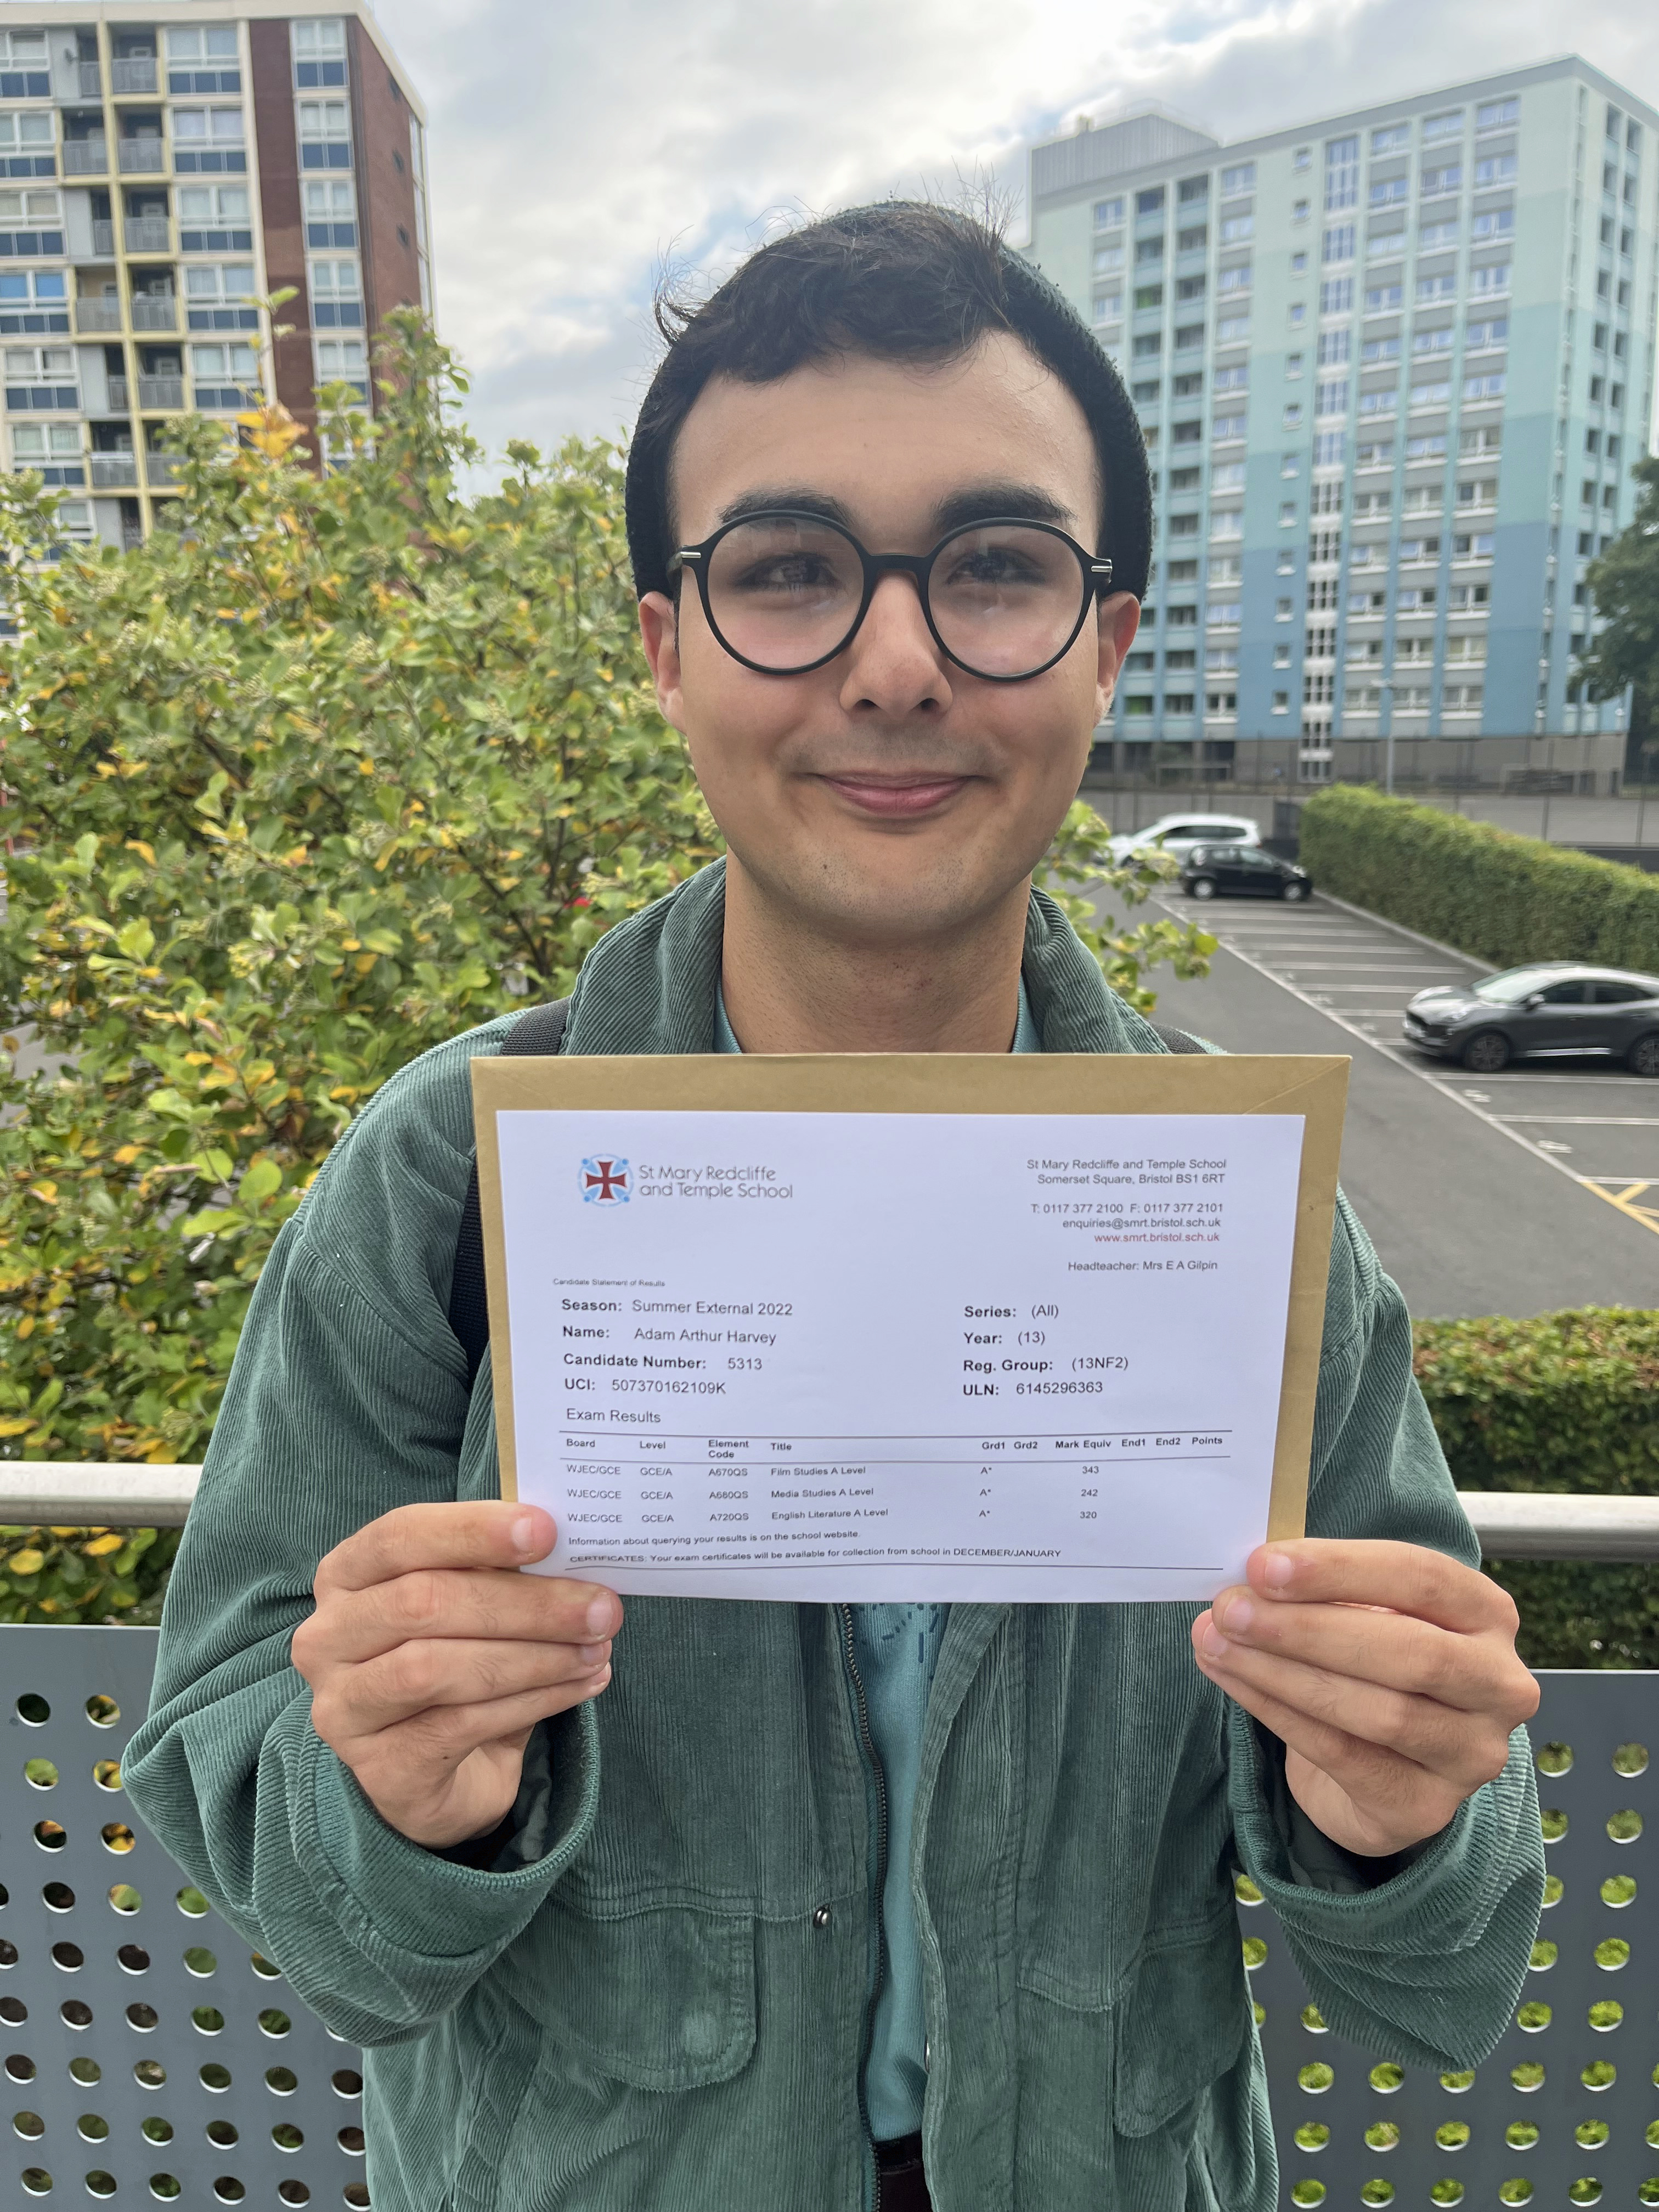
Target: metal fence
point(150, 2056)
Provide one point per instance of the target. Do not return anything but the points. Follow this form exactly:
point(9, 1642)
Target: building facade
point(161, 171)
point(1392, 370)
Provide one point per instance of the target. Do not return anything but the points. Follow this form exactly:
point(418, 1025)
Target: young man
point(740, 1905)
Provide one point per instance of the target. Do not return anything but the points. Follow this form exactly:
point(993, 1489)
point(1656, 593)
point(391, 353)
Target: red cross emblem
point(605, 1183)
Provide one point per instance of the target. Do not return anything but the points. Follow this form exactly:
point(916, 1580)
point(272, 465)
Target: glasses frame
point(1095, 578)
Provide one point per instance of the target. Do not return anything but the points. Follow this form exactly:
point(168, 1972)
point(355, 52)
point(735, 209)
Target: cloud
point(575, 150)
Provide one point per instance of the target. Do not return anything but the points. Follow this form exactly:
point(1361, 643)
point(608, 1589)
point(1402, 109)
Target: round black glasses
point(785, 591)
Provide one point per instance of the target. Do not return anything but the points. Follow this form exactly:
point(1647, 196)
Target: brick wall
point(283, 215)
point(386, 187)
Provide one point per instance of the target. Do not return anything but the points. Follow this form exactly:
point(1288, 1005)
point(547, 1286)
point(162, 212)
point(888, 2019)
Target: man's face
point(887, 796)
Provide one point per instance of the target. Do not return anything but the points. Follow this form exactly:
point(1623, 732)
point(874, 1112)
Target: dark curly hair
point(901, 282)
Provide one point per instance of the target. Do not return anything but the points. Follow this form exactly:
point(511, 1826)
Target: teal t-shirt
point(897, 1648)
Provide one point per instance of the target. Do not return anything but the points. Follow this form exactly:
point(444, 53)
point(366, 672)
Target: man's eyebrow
point(1016, 501)
point(797, 497)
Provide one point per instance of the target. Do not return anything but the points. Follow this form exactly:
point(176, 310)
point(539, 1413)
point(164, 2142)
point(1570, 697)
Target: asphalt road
point(1508, 1194)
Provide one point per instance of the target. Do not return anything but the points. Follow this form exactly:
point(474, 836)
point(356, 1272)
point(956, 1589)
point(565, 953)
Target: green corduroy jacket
point(656, 1999)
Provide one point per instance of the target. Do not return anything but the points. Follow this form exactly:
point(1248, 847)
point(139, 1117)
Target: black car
point(1551, 1009)
point(1242, 871)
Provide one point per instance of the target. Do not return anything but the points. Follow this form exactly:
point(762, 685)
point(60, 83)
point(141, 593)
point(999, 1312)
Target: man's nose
point(894, 665)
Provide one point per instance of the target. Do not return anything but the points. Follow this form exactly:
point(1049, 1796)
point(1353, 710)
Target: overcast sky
point(577, 146)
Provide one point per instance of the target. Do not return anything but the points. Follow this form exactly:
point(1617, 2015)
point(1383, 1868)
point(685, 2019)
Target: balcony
point(103, 241)
point(133, 73)
point(161, 470)
point(142, 157)
point(154, 311)
point(91, 82)
point(86, 157)
point(114, 472)
point(161, 391)
point(120, 395)
point(97, 315)
point(145, 234)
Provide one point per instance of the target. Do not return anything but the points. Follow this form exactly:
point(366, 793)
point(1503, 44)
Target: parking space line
point(1589, 1120)
point(1627, 1199)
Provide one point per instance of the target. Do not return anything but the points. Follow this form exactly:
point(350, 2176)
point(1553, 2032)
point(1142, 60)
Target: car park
point(1547, 1010)
point(1241, 871)
point(1177, 834)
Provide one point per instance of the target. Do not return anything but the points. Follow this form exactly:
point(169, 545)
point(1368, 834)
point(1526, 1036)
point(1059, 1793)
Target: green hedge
point(1503, 898)
point(1568, 1401)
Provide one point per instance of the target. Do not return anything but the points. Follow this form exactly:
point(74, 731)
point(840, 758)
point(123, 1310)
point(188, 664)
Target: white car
point(1179, 834)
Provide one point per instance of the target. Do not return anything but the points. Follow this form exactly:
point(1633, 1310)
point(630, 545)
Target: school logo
point(606, 1182)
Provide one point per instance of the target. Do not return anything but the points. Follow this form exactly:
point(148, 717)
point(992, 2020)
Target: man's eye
point(793, 572)
point(994, 564)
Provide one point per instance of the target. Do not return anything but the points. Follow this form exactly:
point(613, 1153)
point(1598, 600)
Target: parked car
point(1178, 833)
point(1550, 1009)
point(1242, 871)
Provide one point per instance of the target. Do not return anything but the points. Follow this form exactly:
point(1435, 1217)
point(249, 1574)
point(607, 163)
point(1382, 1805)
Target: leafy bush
point(1568, 1401)
point(63, 1575)
point(1503, 898)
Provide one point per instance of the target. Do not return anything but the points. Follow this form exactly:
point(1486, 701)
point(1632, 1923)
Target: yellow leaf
point(26, 1326)
point(64, 1531)
point(14, 1428)
point(125, 1156)
point(145, 852)
point(47, 1191)
point(102, 1546)
point(26, 1562)
point(365, 767)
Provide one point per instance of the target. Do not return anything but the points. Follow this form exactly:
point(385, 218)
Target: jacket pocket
point(662, 1998)
point(1181, 2024)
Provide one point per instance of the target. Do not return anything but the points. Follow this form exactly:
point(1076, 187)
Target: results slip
point(860, 1355)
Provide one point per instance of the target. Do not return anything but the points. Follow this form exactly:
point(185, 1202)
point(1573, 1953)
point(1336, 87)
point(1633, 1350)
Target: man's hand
point(1388, 1672)
point(430, 1659)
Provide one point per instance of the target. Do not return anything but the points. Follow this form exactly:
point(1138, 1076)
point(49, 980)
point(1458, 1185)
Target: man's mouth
point(894, 796)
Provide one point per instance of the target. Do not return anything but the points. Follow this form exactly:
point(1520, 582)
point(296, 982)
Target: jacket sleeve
point(1426, 1967)
point(347, 1397)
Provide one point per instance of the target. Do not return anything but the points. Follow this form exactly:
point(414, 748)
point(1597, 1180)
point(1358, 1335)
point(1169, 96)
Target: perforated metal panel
point(146, 2055)
point(1566, 2110)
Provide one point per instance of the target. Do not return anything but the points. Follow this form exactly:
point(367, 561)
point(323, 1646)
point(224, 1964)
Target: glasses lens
point(1005, 598)
point(784, 591)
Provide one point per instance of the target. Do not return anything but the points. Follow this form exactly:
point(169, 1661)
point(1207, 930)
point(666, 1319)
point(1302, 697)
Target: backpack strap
point(1175, 1040)
point(538, 1033)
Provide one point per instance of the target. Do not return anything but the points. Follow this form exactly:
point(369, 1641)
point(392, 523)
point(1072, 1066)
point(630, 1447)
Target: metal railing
point(120, 395)
point(103, 238)
point(1558, 2115)
point(154, 311)
point(112, 472)
point(161, 391)
point(142, 157)
point(161, 469)
point(132, 73)
point(145, 234)
point(86, 157)
point(98, 314)
point(91, 82)
point(1511, 1524)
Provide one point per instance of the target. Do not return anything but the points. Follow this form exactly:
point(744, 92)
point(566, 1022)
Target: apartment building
point(162, 170)
point(1392, 369)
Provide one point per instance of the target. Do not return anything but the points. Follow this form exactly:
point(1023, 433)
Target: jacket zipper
point(867, 1743)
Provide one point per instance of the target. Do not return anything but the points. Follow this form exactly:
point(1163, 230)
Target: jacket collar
point(650, 985)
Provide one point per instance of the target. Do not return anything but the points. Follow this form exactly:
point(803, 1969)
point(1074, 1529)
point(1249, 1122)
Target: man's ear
point(659, 634)
point(1119, 620)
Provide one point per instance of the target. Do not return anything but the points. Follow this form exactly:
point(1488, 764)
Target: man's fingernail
point(600, 1615)
point(592, 1654)
point(523, 1533)
point(1214, 1644)
point(1234, 1615)
point(1277, 1568)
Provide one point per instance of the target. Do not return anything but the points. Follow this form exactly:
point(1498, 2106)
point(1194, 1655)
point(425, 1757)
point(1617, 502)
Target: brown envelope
point(959, 1083)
